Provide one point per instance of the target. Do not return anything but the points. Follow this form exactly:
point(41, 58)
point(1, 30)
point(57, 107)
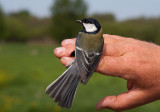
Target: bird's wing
point(87, 62)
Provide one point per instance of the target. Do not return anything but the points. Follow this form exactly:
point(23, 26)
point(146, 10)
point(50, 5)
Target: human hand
point(134, 60)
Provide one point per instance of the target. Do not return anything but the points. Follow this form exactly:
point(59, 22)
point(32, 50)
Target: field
point(26, 70)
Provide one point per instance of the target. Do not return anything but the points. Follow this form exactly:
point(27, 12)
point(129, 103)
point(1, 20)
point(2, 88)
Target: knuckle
point(63, 42)
point(115, 105)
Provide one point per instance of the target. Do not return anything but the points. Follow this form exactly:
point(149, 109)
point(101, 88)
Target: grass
point(25, 72)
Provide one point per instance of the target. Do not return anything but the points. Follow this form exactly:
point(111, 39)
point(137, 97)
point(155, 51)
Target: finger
point(119, 39)
point(68, 43)
point(114, 49)
point(125, 101)
point(66, 60)
point(113, 38)
point(61, 52)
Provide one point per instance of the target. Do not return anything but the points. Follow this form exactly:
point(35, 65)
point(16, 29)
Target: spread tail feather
point(64, 88)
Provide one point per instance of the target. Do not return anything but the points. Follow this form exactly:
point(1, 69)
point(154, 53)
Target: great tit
point(89, 46)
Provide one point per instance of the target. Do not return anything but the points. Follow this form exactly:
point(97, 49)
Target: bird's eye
point(86, 21)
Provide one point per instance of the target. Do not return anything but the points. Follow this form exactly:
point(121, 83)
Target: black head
point(90, 25)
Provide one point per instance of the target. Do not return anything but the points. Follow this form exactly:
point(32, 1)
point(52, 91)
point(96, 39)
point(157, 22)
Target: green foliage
point(140, 28)
point(64, 14)
point(21, 13)
point(105, 17)
point(16, 30)
point(26, 71)
point(22, 26)
point(2, 24)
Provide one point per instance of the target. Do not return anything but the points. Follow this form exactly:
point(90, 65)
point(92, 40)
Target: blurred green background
point(28, 65)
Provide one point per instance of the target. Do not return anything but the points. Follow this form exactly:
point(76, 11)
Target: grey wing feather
point(87, 62)
point(64, 88)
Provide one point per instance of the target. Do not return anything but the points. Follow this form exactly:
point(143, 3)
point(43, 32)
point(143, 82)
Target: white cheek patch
point(89, 27)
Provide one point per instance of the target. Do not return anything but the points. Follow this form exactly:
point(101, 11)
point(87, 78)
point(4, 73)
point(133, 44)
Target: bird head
point(90, 25)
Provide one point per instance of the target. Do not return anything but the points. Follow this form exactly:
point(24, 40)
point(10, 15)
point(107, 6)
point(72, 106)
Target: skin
point(136, 61)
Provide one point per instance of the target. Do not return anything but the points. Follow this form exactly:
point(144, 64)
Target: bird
point(88, 50)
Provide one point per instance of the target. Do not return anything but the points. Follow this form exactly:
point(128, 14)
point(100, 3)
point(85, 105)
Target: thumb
point(125, 101)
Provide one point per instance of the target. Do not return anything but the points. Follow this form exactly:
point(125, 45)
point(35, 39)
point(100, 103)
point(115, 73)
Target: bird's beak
point(79, 21)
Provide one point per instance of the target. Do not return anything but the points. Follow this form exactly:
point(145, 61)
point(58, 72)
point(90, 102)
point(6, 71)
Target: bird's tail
point(64, 88)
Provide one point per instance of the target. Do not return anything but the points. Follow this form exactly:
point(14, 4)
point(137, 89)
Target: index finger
point(113, 39)
point(113, 50)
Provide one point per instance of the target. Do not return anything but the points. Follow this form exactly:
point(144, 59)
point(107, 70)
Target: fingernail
point(67, 41)
point(59, 50)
